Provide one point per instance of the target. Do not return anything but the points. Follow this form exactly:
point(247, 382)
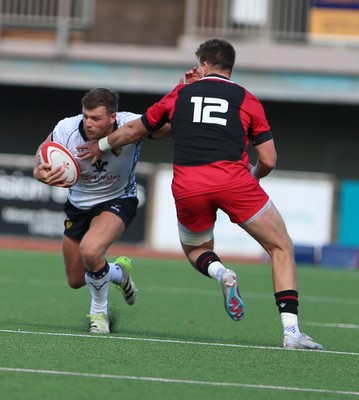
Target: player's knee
point(287, 245)
point(89, 253)
point(75, 283)
point(284, 247)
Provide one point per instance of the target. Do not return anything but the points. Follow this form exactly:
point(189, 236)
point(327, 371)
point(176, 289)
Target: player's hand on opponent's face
point(52, 177)
point(89, 150)
point(192, 75)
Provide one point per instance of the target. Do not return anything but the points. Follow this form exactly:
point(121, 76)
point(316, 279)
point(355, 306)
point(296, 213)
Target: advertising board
point(30, 208)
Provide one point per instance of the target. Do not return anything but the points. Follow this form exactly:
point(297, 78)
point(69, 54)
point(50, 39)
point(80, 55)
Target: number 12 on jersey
point(204, 106)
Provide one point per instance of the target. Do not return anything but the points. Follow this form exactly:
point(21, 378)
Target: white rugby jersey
point(111, 176)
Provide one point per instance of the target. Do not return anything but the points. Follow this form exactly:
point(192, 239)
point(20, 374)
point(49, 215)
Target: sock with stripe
point(210, 265)
point(287, 302)
point(98, 285)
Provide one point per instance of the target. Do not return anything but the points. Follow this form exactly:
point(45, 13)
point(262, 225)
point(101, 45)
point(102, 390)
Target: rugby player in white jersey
point(101, 205)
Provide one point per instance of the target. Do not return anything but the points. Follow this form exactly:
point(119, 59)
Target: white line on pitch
point(178, 381)
point(331, 325)
point(170, 341)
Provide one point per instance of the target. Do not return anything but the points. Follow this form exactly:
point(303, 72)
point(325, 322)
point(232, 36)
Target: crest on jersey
point(100, 166)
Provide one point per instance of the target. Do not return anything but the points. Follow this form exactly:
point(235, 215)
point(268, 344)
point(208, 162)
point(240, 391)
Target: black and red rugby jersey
point(212, 119)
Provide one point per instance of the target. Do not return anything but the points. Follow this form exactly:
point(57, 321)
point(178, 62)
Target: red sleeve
point(254, 120)
point(161, 112)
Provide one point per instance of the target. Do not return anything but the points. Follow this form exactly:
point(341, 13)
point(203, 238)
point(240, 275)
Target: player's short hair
point(217, 52)
point(101, 97)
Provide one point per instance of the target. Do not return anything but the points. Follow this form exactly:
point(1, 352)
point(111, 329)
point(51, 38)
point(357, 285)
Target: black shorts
point(78, 221)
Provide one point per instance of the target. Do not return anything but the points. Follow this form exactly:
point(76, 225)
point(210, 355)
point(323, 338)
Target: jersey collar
point(216, 76)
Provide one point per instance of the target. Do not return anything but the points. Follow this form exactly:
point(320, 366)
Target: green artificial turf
point(176, 342)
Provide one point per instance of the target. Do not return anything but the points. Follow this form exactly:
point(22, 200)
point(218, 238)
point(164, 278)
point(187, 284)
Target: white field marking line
point(170, 341)
point(329, 300)
point(35, 282)
point(178, 381)
point(331, 325)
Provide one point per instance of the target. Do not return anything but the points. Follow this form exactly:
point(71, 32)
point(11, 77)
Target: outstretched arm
point(131, 132)
point(126, 134)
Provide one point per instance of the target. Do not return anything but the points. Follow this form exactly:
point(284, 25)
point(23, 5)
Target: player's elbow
point(134, 131)
point(271, 162)
point(266, 166)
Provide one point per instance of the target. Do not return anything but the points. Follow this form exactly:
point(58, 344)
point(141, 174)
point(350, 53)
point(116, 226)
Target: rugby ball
point(55, 154)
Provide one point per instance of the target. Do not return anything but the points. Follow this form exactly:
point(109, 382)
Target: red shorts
point(198, 212)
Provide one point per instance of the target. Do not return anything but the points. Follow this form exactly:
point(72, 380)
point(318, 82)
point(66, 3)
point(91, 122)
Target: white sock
point(115, 273)
point(215, 270)
point(290, 324)
point(99, 293)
